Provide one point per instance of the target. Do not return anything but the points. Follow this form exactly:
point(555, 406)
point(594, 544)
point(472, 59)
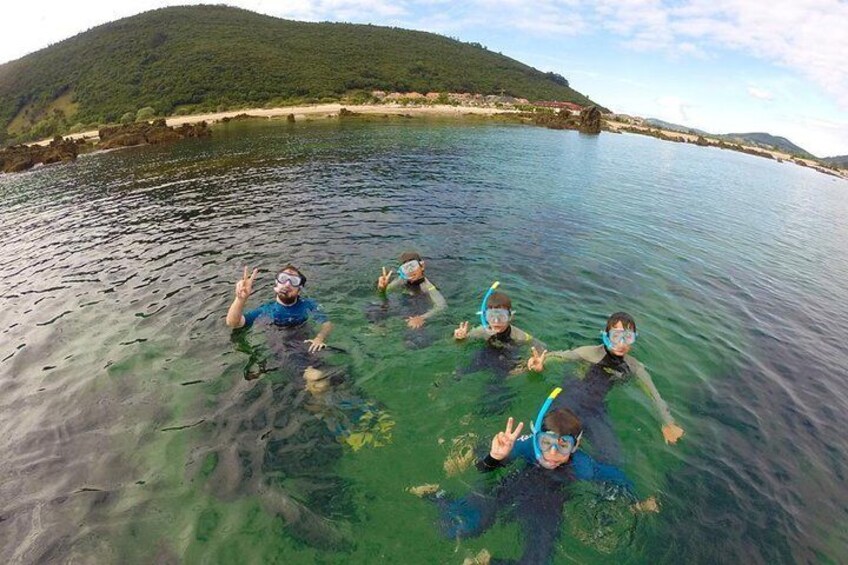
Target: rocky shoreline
point(589, 120)
point(64, 150)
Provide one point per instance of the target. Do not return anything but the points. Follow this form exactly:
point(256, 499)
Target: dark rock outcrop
point(557, 120)
point(590, 120)
point(148, 132)
point(22, 157)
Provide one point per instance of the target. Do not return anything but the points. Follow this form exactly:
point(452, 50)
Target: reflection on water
point(130, 434)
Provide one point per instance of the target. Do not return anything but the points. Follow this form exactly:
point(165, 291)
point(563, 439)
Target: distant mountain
point(763, 140)
point(198, 58)
point(768, 141)
point(654, 122)
point(840, 161)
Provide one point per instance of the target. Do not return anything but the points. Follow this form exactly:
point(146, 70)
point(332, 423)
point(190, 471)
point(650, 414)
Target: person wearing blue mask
point(536, 494)
point(413, 283)
point(496, 323)
point(505, 348)
point(610, 365)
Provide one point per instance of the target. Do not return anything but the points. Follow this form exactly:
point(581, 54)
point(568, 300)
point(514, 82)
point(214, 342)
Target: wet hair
point(290, 267)
point(562, 421)
point(499, 300)
point(626, 320)
point(408, 256)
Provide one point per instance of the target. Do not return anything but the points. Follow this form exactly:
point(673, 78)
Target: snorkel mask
point(405, 270)
point(612, 338)
point(285, 279)
point(544, 441)
point(497, 316)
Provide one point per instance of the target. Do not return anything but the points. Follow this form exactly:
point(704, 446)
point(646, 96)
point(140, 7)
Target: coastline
point(333, 110)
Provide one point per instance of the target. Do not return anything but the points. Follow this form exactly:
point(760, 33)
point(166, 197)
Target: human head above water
point(287, 284)
point(619, 321)
point(498, 311)
point(562, 422)
point(417, 273)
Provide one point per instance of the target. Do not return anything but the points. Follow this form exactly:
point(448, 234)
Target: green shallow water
point(122, 391)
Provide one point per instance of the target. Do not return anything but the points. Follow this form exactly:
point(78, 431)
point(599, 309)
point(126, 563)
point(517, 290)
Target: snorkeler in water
point(503, 353)
point(610, 365)
point(414, 284)
point(289, 308)
point(496, 323)
point(536, 493)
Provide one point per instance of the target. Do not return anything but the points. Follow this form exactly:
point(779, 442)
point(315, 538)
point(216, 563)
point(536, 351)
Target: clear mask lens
point(284, 279)
point(564, 445)
point(497, 315)
point(622, 337)
point(408, 268)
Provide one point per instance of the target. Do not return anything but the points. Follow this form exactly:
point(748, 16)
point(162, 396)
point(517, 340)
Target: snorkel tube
point(486, 296)
point(536, 427)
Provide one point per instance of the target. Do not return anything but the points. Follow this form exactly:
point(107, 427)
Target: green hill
point(198, 58)
point(840, 161)
point(767, 141)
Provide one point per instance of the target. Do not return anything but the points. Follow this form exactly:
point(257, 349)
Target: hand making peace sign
point(462, 331)
point(245, 286)
point(537, 360)
point(503, 442)
point(384, 279)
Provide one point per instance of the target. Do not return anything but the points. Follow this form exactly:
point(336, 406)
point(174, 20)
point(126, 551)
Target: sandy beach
point(323, 111)
point(317, 111)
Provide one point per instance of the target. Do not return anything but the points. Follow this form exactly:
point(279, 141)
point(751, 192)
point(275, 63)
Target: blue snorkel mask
point(405, 270)
point(544, 441)
point(483, 321)
point(613, 338)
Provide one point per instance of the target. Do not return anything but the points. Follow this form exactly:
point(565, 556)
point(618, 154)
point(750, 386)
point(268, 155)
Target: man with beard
point(288, 310)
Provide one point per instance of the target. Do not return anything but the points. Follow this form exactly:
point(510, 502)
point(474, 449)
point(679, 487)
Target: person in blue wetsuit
point(536, 493)
point(610, 365)
point(289, 312)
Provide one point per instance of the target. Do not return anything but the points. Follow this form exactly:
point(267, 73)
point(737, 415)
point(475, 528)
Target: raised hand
point(502, 443)
point(672, 432)
point(383, 280)
point(462, 331)
point(245, 286)
point(536, 362)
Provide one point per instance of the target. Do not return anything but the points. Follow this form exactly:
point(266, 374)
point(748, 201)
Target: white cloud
point(807, 36)
point(760, 94)
point(672, 109)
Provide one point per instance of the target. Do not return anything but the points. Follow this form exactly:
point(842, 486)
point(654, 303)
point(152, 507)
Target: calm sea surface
point(129, 434)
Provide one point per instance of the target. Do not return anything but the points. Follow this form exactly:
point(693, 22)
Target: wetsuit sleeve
point(587, 469)
point(436, 298)
point(393, 285)
point(523, 337)
point(478, 332)
point(317, 312)
point(523, 449)
point(647, 385)
point(588, 353)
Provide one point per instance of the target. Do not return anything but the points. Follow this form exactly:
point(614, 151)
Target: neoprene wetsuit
point(533, 495)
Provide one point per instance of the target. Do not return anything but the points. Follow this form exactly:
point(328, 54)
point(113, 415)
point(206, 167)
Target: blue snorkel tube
point(486, 296)
point(536, 427)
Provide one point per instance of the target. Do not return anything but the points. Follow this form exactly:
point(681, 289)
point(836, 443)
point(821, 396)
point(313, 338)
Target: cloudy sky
point(718, 65)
